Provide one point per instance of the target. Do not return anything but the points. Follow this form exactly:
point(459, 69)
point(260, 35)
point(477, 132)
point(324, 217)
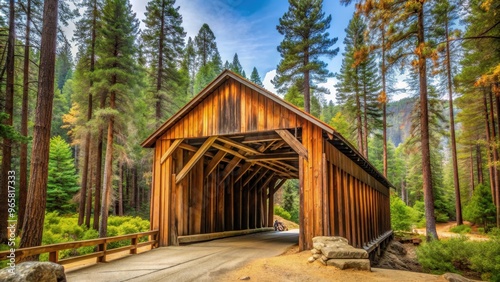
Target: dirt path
point(443, 230)
point(293, 266)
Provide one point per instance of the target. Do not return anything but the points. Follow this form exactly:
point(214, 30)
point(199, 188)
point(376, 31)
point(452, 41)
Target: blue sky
point(249, 29)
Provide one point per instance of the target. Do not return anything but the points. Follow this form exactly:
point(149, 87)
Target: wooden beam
point(259, 179)
point(238, 145)
point(293, 142)
point(171, 149)
point(273, 157)
point(278, 145)
point(262, 138)
point(229, 168)
point(194, 149)
point(277, 187)
point(269, 167)
point(266, 182)
point(251, 176)
point(242, 171)
point(215, 161)
point(229, 151)
point(185, 170)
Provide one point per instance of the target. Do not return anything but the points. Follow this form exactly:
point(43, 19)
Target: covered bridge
point(219, 161)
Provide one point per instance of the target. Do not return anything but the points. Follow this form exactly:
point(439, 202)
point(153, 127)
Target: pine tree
point(9, 111)
point(255, 78)
point(86, 36)
point(205, 46)
point(37, 189)
point(115, 76)
point(236, 66)
point(164, 42)
point(445, 14)
point(62, 179)
point(189, 64)
point(306, 40)
point(207, 57)
point(358, 87)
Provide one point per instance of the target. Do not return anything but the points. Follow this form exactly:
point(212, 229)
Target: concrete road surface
point(195, 262)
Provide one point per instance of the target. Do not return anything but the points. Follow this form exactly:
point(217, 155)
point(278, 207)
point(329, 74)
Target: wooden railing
point(100, 253)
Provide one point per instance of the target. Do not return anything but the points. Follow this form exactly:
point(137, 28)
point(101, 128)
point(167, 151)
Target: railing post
point(54, 256)
point(133, 242)
point(102, 248)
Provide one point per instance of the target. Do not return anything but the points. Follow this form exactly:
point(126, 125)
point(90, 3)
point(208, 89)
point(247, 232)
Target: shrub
point(461, 229)
point(278, 210)
point(460, 255)
point(401, 214)
point(480, 209)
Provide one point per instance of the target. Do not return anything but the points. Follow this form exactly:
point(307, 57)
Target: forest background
point(123, 82)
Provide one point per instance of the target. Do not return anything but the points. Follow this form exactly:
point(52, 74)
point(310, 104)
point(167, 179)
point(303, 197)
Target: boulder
point(453, 277)
point(344, 251)
point(34, 271)
point(396, 248)
point(359, 264)
point(327, 240)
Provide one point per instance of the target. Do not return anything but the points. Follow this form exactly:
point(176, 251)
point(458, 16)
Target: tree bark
point(384, 102)
point(120, 191)
point(98, 171)
point(494, 148)
point(365, 123)
point(479, 160)
point(307, 83)
point(488, 139)
point(108, 171)
point(159, 81)
point(7, 142)
point(37, 189)
point(430, 219)
point(471, 169)
point(23, 161)
point(88, 205)
point(497, 187)
point(456, 183)
point(84, 184)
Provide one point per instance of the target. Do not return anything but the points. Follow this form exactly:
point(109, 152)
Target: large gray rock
point(453, 277)
point(359, 264)
point(34, 271)
point(396, 248)
point(327, 240)
point(344, 251)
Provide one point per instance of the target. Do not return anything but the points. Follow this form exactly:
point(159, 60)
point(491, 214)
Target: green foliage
point(402, 216)
point(278, 210)
point(480, 208)
point(461, 229)
point(62, 182)
point(255, 77)
point(458, 255)
point(291, 199)
point(306, 39)
point(235, 66)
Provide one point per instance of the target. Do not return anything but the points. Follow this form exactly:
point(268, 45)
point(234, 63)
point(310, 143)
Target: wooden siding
point(233, 108)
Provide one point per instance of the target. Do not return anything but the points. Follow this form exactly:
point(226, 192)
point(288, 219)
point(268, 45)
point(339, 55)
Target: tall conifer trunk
point(37, 189)
point(7, 142)
point(108, 169)
point(488, 139)
point(456, 183)
point(23, 158)
point(424, 131)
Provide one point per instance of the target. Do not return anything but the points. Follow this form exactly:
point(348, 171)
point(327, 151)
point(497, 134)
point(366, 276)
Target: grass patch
point(461, 229)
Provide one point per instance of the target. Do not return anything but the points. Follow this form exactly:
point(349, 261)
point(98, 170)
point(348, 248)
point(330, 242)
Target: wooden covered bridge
point(219, 161)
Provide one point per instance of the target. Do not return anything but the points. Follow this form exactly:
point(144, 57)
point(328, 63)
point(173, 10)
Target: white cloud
point(267, 81)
